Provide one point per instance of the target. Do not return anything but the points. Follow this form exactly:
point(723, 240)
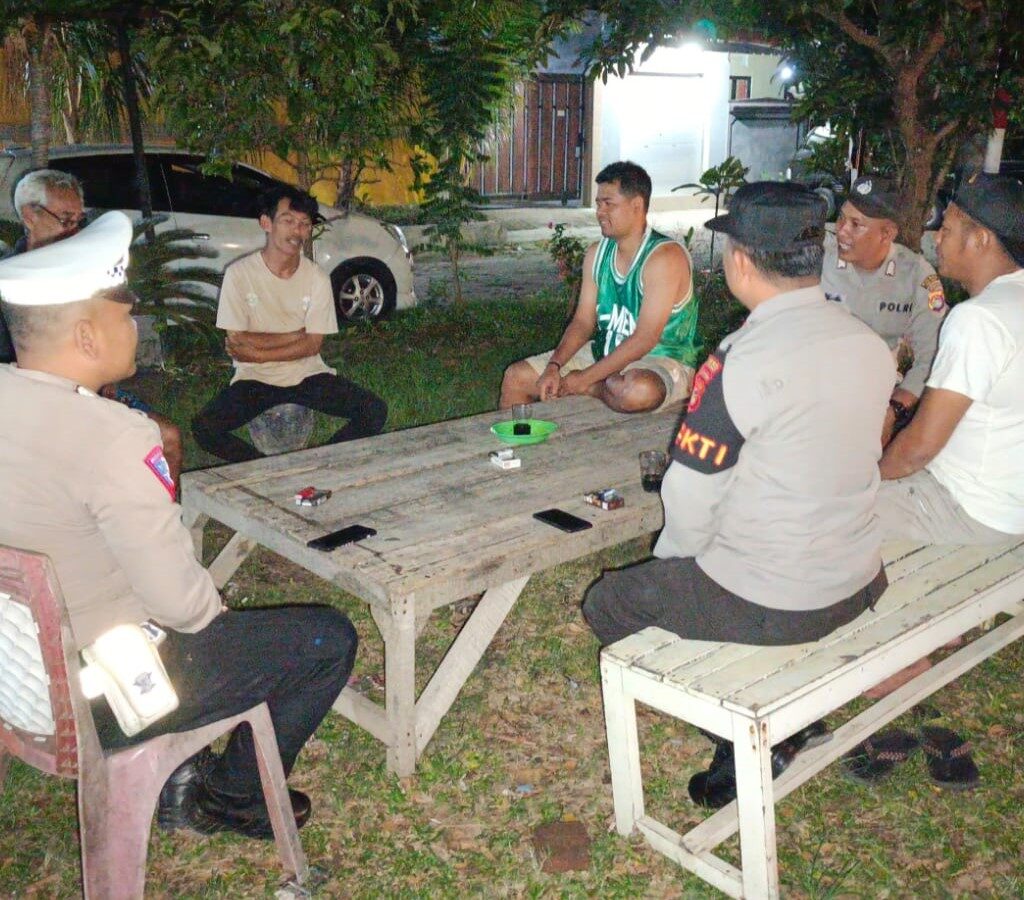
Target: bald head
point(41, 330)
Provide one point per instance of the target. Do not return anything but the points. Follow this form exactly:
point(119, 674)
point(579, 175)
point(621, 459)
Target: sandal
point(873, 760)
point(949, 758)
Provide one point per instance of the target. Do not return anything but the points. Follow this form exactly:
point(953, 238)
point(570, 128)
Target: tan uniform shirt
point(902, 301)
point(775, 467)
point(252, 298)
point(84, 481)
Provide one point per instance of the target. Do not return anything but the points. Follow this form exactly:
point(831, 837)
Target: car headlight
point(397, 234)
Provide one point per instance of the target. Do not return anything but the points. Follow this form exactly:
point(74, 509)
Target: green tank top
point(618, 305)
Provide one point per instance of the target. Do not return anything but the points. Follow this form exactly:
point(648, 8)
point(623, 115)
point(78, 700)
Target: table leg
point(462, 657)
point(398, 629)
point(756, 807)
point(235, 552)
point(195, 522)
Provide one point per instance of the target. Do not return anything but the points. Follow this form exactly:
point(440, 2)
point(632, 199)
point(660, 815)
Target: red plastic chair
point(45, 721)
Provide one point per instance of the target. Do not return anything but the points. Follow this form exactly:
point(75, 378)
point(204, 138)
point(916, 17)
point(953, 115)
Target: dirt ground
point(510, 273)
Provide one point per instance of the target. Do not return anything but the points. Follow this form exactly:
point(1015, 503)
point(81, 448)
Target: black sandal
point(874, 760)
point(949, 758)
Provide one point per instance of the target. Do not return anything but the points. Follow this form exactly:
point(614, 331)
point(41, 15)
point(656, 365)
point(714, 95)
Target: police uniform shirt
point(775, 466)
point(84, 481)
point(902, 300)
point(253, 298)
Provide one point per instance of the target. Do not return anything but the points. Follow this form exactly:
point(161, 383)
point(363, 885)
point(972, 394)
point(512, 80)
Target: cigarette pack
point(311, 496)
point(505, 459)
point(606, 498)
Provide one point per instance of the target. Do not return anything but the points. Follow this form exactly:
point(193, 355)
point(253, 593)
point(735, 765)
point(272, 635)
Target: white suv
point(369, 262)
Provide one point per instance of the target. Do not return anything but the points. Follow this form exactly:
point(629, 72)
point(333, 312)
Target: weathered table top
point(448, 522)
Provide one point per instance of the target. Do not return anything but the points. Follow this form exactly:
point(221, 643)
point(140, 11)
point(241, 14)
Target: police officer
point(769, 531)
point(885, 285)
point(85, 481)
point(769, 534)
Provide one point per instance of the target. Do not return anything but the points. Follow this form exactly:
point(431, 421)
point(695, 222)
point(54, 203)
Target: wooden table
point(449, 524)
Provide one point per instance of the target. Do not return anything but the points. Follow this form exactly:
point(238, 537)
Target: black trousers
point(676, 594)
point(296, 658)
point(241, 402)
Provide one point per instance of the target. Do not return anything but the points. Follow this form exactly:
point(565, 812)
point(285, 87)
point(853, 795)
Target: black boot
point(214, 812)
point(178, 793)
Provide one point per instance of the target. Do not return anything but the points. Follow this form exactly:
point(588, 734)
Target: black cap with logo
point(875, 197)
point(774, 216)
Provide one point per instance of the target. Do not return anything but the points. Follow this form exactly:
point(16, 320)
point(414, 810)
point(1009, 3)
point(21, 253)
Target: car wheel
point(363, 289)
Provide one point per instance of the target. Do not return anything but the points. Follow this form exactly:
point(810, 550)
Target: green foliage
point(916, 78)
point(719, 182)
point(180, 295)
point(468, 56)
point(568, 251)
point(317, 83)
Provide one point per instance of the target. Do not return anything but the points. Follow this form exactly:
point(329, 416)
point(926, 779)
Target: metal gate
point(536, 152)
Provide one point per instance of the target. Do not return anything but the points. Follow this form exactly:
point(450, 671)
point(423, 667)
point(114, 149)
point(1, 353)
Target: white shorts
point(677, 378)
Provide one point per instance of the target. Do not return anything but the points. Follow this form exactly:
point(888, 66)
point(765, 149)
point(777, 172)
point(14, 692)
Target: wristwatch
point(902, 412)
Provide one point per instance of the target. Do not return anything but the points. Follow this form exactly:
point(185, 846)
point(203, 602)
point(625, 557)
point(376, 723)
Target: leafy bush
point(182, 298)
point(568, 252)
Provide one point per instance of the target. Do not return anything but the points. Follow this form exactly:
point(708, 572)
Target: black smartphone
point(343, 536)
point(562, 520)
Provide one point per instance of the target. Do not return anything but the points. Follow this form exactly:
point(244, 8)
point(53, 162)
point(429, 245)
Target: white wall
point(670, 116)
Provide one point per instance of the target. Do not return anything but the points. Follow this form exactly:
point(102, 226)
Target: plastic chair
point(46, 722)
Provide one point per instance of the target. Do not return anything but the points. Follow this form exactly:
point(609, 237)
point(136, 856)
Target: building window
point(739, 87)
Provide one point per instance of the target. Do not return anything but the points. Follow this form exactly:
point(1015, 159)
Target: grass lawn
point(524, 743)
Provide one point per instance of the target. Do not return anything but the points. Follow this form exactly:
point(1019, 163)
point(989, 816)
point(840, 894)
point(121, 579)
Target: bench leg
point(623, 749)
point(756, 807)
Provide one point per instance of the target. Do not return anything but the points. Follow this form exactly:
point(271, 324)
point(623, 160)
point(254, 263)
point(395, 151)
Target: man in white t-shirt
point(954, 475)
point(276, 306)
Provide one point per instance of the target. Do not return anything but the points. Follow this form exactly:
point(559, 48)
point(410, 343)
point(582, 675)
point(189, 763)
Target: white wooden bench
point(758, 696)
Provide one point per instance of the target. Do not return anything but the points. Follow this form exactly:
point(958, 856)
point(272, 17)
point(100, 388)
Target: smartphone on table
point(562, 520)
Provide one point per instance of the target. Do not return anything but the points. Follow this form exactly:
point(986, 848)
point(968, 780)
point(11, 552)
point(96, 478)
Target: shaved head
point(41, 329)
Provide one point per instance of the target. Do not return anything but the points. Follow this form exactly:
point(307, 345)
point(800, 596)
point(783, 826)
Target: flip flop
point(874, 760)
point(949, 758)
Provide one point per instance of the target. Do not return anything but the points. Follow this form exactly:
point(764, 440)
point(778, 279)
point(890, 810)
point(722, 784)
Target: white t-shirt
point(252, 298)
point(981, 355)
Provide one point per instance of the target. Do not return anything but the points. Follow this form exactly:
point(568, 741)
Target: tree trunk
point(349, 173)
point(131, 102)
point(37, 40)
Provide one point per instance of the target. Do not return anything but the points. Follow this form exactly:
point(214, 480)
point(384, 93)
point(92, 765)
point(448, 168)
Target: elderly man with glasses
point(51, 206)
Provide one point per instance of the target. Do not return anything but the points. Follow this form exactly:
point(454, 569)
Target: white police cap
point(71, 269)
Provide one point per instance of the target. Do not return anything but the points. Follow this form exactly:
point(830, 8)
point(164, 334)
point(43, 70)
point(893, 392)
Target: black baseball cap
point(774, 215)
point(874, 196)
point(995, 201)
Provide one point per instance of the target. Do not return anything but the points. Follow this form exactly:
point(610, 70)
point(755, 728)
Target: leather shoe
point(214, 812)
point(178, 793)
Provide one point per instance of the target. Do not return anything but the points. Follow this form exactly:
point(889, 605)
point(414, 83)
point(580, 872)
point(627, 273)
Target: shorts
point(677, 378)
point(919, 508)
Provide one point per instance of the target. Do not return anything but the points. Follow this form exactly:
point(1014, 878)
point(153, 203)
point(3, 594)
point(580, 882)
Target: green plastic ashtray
point(540, 431)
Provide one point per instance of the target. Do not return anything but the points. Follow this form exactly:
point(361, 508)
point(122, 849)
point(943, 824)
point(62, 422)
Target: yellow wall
point(379, 187)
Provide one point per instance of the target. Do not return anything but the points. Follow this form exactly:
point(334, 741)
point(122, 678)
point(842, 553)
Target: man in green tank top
point(633, 340)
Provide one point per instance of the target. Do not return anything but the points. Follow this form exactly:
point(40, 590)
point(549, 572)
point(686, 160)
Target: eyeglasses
point(67, 221)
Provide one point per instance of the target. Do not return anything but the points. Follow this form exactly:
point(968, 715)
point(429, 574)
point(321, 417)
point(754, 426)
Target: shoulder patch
point(936, 295)
point(158, 466)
